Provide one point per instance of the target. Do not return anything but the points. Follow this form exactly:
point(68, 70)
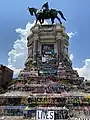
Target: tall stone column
point(59, 39)
point(35, 31)
point(35, 48)
point(60, 49)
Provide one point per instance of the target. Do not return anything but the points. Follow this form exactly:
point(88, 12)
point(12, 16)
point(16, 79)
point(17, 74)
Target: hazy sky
point(14, 15)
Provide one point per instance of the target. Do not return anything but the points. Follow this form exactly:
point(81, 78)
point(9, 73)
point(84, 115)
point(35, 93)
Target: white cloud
point(71, 57)
point(71, 34)
point(85, 70)
point(18, 54)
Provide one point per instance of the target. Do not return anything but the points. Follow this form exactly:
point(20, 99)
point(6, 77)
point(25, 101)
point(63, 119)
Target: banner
point(44, 115)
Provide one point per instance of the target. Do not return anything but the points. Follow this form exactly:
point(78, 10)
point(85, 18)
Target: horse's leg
point(52, 19)
point(42, 20)
point(36, 21)
point(59, 19)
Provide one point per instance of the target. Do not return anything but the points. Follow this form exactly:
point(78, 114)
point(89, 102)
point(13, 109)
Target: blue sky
point(13, 15)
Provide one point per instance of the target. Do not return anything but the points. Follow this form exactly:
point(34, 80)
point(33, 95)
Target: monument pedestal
point(48, 52)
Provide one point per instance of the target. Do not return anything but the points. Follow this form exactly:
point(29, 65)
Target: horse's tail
point(61, 14)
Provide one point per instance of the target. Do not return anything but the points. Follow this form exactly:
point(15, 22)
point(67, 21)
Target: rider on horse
point(46, 13)
point(45, 7)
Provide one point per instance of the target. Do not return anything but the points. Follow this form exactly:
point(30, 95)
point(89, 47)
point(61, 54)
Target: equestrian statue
point(46, 13)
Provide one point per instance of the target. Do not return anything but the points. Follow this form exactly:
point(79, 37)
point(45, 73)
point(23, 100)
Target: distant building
point(6, 75)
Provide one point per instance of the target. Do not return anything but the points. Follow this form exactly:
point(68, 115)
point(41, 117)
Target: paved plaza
point(12, 118)
point(78, 117)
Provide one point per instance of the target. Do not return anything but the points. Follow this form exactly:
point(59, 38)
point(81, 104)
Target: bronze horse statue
point(50, 14)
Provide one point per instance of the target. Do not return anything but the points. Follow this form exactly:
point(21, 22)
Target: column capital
point(58, 38)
